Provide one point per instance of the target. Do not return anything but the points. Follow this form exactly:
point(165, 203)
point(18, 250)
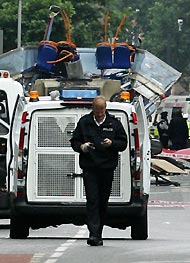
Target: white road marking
point(161, 203)
point(59, 251)
point(56, 255)
point(51, 261)
point(37, 258)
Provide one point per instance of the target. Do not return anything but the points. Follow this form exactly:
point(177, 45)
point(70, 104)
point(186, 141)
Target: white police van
point(45, 183)
point(48, 185)
point(10, 92)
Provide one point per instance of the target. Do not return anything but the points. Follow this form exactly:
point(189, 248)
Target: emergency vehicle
point(10, 91)
point(44, 178)
point(48, 188)
point(171, 104)
point(174, 103)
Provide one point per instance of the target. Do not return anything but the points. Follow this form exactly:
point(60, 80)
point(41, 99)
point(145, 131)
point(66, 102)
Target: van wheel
point(139, 228)
point(19, 228)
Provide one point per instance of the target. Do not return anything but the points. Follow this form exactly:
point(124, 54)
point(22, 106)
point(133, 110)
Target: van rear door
point(9, 93)
point(52, 161)
point(144, 142)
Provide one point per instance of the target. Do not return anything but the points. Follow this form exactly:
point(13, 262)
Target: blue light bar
point(78, 94)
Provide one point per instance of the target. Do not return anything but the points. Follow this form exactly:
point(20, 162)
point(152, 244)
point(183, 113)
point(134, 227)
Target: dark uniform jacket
point(178, 133)
point(88, 131)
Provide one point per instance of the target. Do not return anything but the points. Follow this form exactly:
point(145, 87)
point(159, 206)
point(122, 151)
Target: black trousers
point(98, 183)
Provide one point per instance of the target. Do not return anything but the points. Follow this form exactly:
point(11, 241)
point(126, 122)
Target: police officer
point(178, 131)
point(98, 138)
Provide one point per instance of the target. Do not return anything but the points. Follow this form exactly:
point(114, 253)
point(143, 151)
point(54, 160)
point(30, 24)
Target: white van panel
point(144, 140)
point(51, 159)
point(12, 151)
point(10, 119)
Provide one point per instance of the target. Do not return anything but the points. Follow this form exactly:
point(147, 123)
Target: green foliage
point(86, 27)
point(163, 36)
point(34, 18)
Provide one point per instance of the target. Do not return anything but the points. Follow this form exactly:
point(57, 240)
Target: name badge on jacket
point(107, 129)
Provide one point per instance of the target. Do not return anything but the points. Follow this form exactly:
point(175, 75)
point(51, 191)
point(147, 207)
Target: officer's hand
point(107, 142)
point(87, 146)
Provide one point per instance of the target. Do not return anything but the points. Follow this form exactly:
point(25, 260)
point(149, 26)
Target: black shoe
point(95, 241)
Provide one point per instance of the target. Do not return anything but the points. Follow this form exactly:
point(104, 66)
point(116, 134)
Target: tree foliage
point(158, 20)
point(163, 34)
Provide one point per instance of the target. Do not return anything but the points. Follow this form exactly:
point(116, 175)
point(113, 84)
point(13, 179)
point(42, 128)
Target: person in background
point(162, 127)
point(98, 138)
point(186, 117)
point(178, 131)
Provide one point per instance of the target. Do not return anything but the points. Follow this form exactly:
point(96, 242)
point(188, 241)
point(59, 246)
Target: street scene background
point(168, 241)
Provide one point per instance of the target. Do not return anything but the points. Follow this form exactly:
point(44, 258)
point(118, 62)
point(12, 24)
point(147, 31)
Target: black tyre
point(139, 228)
point(19, 228)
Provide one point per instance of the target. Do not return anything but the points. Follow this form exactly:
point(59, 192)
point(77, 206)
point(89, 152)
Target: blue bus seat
point(104, 57)
point(122, 57)
point(47, 51)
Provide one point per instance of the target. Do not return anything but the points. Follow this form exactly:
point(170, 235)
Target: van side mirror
point(156, 146)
